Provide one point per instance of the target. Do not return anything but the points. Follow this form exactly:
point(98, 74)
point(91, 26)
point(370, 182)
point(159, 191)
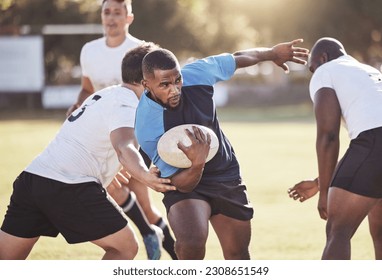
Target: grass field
point(275, 149)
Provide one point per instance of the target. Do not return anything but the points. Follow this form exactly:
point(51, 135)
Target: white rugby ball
point(168, 145)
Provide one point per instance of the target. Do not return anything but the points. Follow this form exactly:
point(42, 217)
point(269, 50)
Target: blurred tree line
point(203, 27)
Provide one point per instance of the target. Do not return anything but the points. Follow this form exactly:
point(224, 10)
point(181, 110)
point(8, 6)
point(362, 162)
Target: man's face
point(315, 61)
point(115, 17)
point(165, 87)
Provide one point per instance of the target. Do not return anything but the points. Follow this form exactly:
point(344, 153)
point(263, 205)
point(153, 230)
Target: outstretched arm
point(279, 54)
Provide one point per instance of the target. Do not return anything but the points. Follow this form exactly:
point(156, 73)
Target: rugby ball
point(168, 145)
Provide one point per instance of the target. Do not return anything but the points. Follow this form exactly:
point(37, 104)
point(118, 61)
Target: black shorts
point(43, 207)
point(360, 169)
point(226, 198)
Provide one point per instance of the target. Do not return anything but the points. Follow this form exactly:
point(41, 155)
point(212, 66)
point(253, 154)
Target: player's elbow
point(331, 137)
point(183, 186)
point(328, 135)
point(185, 189)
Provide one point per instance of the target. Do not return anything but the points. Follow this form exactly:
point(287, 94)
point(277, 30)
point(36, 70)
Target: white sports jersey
point(102, 64)
point(359, 91)
point(82, 150)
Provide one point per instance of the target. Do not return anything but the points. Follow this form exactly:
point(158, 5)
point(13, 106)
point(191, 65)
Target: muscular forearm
point(188, 179)
point(132, 161)
point(253, 56)
point(126, 147)
point(327, 147)
point(278, 54)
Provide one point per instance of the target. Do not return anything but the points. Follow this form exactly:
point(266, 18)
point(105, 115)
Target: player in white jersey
point(62, 189)
point(82, 150)
point(100, 63)
point(98, 53)
point(100, 59)
point(343, 88)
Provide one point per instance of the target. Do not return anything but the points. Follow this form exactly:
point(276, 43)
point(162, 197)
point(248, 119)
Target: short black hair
point(161, 59)
point(132, 62)
point(331, 46)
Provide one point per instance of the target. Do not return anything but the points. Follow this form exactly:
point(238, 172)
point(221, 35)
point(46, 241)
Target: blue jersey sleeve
point(166, 170)
point(209, 70)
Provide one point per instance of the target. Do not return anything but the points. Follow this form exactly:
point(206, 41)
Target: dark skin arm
point(187, 179)
point(328, 118)
point(279, 54)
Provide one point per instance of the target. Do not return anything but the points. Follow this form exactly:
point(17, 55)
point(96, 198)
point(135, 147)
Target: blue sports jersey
point(196, 107)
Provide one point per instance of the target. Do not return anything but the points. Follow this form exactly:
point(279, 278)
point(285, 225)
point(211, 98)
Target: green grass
point(275, 149)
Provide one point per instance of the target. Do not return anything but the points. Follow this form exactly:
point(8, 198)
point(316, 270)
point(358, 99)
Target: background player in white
point(343, 88)
point(62, 189)
point(100, 63)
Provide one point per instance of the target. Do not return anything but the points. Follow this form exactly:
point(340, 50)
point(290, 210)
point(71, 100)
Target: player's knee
point(190, 249)
point(127, 250)
point(121, 253)
point(236, 254)
point(130, 248)
point(196, 244)
point(133, 250)
point(339, 231)
point(376, 233)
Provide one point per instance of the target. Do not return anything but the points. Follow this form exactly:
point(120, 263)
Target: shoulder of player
point(95, 42)
point(124, 96)
point(92, 47)
point(111, 98)
point(220, 61)
point(131, 39)
point(118, 92)
point(208, 70)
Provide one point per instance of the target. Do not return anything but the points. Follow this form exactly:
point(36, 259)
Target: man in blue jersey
point(211, 191)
